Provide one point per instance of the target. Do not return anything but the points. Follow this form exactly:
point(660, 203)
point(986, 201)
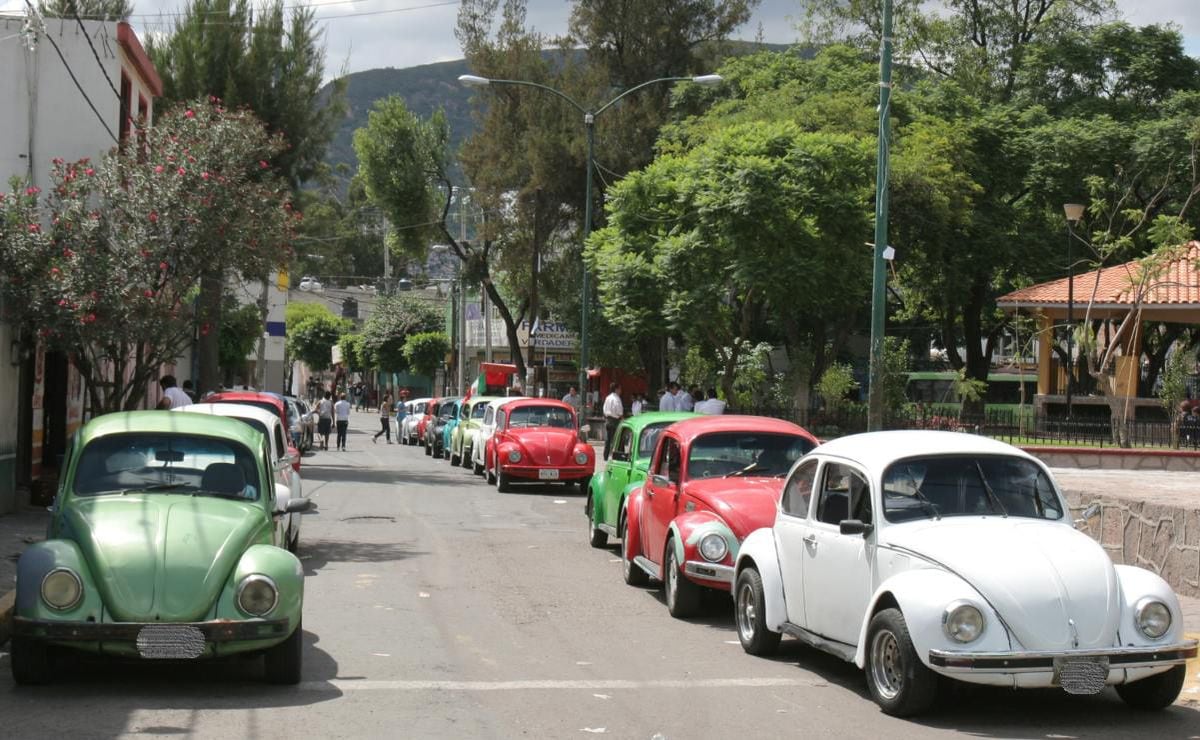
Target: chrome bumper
point(709, 571)
point(1019, 662)
point(216, 631)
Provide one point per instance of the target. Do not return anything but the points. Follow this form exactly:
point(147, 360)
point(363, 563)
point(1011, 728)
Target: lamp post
point(589, 122)
point(879, 267)
point(1073, 212)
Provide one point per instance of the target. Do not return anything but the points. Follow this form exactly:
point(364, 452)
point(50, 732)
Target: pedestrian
point(684, 400)
point(341, 413)
point(667, 402)
point(173, 397)
point(637, 405)
point(385, 418)
point(401, 412)
point(710, 405)
point(190, 390)
point(325, 419)
point(573, 400)
point(613, 411)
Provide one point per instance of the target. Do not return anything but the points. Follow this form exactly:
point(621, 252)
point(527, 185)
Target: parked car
point(625, 469)
point(269, 401)
point(537, 441)
point(308, 423)
point(450, 425)
point(436, 426)
point(487, 427)
point(162, 544)
point(466, 432)
point(430, 413)
point(415, 411)
point(712, 481)
point(268, 424)
point(922, 555)
point(312, 284)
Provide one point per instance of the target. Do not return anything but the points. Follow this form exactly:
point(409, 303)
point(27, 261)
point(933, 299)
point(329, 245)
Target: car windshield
point(745, 453)
point(479, 410)
point(169, 463)
point(649, 437)
point(447, 410)
point(540, 416)
point(968, 485)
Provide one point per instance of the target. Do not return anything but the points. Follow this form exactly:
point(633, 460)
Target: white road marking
point(551, 684)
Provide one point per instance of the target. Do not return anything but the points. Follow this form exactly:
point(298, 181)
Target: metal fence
point(1023, 427)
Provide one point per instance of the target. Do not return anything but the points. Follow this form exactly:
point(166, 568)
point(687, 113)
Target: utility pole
point(879, 275)
point(462, 313)
point(534, 308)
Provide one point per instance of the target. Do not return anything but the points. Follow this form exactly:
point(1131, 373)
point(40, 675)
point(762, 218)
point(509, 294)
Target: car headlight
point(257, 595)
point(514, 456)
point(61, 589)
point(580, 458)
point(713, 547)
point(1152, 617)
point(962, 622)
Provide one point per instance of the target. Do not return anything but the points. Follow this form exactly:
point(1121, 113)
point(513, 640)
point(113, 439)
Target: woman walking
point(325, 419)
point(385, 419)
point(341, 411)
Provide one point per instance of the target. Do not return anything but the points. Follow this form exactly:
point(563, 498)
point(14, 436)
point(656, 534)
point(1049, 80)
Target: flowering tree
point(105, 265)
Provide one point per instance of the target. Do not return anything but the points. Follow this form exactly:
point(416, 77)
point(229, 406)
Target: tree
point(240, 329)
point(426, 351)
point(104, 266)
point(99, 10)
point(1175, 386)
point(312, 336)
point(353, 353)
point(394, 320)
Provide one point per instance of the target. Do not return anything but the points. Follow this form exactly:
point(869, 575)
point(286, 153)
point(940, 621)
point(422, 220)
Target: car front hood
point(548, 446)
point(1055, 587)
point(160, 556)
point(745, 503)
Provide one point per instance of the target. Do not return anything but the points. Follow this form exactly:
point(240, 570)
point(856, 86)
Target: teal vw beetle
point(628, 461)
point(164, 543)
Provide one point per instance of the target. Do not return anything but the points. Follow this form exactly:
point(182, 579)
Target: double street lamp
point(589, 122)
point(1074, 213)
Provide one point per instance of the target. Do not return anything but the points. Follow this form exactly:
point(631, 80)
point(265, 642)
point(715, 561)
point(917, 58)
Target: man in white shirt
point(636, 407)
point(710, 405)
point(684, 401)
point(572, 399)
point(613, 411)
point(341, 413)
point(668, 401)
point(173, 393)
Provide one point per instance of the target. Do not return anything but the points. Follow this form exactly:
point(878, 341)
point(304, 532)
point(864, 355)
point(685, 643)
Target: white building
point(71, 89)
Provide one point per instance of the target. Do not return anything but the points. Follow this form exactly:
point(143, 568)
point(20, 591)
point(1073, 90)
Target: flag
point(478, 387)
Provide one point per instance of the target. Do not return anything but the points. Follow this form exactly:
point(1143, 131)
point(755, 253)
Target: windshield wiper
point(748, 469)
point(992, 497)
point(156, 487)
point(219, 494)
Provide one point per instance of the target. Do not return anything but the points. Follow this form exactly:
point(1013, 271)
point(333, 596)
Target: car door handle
point(811, 540)
point(649, 493)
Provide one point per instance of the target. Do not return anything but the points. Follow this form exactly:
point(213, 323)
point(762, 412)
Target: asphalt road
point(436, 607)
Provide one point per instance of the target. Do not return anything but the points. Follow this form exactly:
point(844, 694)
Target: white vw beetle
point(914, 554)
point(487, 428)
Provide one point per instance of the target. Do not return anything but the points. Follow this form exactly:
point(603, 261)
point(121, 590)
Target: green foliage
point(835, 383)
point(1176, 372)
point(311, 337)
point(897, 364)
point(241, 327)
point(103, 10)
point(353, 352)
point(968, 390)
point(105, 265)
point(426, 351)
point(394, 320)
point(751, 375)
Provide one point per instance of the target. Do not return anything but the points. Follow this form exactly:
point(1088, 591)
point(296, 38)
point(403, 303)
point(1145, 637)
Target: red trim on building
point(129, 41)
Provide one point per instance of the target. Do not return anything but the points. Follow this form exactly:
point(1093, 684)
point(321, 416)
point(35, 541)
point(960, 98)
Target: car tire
point(293, 544)
point(32, 662)
point(490, 474)
point(683, 596)
point(631, 571)
point(899, 682)
point(503, 484)
point(428, 450)
point(282, 663)
point(454, 458)
point(465, 457)
point(597, 537)
point(750, 614)
point(476, 468)
point(1155, 692)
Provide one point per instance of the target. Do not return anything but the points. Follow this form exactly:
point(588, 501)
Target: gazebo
point(1170, 295)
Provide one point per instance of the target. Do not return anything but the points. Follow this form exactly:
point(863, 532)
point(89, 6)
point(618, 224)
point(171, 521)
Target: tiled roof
point(1177, 285)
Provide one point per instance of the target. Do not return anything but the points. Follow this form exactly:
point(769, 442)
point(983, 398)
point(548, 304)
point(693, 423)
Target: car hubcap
point(887, 667)
point(746, 612)
point(671, 580)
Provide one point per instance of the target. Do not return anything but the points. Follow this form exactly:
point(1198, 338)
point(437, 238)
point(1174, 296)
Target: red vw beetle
point(537, 441)
point(431, 407)
point(266, 401)
point(712, 481)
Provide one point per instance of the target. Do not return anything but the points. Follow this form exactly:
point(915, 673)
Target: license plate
point(170, 642)
point(1083, 675)
point(548, 474)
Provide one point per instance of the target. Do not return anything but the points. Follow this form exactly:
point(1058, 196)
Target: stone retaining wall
point(1117, 459)
point(1164, 538)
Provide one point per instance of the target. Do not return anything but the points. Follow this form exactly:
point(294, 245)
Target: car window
point(170, 463)
point(968, 485)
point(844, 495)
point(745, 453)
point(447, 410)
point(668, 460)
point(624, 444)
point(798, 491)
point(541, 416)
point(500, 418)
point(479, 411)
point(649, 437)
point(489, 416)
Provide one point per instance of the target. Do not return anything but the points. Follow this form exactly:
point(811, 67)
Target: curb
point(7, 602)
point(1191, 684)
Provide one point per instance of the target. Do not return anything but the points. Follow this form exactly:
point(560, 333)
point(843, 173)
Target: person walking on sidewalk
point(613, 411)
point(341, 413)
point(325, 419)
point(385, 419)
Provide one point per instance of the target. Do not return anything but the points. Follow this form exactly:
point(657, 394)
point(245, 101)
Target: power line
point(92, 46)
point(49, 37)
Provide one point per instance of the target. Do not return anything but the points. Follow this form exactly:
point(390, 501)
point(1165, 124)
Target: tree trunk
point(510, 326)
point(209, 318)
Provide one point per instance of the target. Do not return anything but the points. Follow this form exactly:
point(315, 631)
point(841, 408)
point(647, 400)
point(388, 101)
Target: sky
point(365, 34)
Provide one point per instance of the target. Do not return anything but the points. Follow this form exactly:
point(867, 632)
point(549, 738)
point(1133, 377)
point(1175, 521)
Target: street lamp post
point(589, 122)
point(1073, 212)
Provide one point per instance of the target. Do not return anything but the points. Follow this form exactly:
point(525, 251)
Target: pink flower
point(163, 266)
point(62, 301)
point(53, 271)
point(35, 228)
point(158, 169)
point(89, 172)
point(148, 293)
point(190, 114)
point(32, 190)
point(204, 175)
point(182, 171)
point(262, 163)
point(68, 253)
point(153, 217)
point(90, 318)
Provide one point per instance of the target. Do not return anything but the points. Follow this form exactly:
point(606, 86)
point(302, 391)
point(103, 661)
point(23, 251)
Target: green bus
point(935, 390)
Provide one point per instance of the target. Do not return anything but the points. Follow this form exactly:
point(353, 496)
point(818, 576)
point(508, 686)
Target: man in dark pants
point(613, 411)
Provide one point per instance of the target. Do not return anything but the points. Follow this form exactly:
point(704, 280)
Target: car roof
point(167, 422)
point(498, 402)
point(688, 429)
point(520, 402)
point(476, 400)
point(877, 450)
point(236, 410)
point(246, 396)
point(641, 421)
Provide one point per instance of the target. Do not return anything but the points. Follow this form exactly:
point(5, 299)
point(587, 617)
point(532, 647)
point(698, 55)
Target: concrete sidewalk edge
point(7, 603)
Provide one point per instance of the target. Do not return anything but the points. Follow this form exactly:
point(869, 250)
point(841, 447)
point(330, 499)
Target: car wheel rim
point(747, 610)
point(672, 583)
point(887, 666)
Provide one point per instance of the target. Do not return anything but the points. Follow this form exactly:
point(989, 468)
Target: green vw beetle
point(164, 543)
point(628, 461)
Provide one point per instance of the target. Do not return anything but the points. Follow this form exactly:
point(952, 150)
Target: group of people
point(676, 398)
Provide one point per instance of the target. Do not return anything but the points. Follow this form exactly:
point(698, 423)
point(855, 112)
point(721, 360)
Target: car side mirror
point(585, 428)
point(620, 456)
point(297, 506)
point(1091, 512)
point(855, 526)
point(662, 481)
